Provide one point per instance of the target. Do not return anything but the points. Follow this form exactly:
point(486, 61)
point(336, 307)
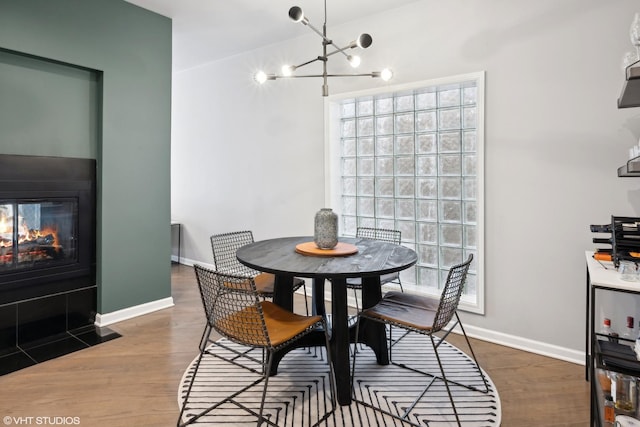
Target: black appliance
point(623, 239)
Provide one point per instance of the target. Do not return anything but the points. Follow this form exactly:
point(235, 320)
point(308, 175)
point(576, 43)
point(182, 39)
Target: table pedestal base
point(372, 334)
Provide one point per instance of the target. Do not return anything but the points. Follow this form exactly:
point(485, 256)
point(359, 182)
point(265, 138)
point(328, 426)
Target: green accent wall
point(47, 108)
point(92, 79)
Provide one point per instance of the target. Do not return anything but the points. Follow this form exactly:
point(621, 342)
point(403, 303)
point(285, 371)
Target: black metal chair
point(234, 309)
point(224, 248)
point(386, 235)
point(427, 316)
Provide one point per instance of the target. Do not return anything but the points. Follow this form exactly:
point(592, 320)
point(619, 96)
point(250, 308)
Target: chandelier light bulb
point(354, 60)
point(386, 74)
point(260, 77)
point(287, 70)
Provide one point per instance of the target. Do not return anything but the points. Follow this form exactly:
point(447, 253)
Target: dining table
point(368, 259)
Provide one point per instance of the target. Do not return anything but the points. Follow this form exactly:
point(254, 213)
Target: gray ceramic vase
point(326, 229)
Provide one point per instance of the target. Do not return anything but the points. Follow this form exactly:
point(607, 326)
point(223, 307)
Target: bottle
point(604, 378)
point(609, 410)
point(623, 391)
point(606, 326)
point(606, 330)
point(628, 271)
point(636, 348)
point(628, 334)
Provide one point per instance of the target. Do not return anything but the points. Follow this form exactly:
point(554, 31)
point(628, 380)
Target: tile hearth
point(30, 354)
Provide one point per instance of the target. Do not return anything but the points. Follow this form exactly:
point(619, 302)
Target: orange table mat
point(341, 249)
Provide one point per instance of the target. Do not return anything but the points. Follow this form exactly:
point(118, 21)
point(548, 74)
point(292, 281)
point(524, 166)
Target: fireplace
point(47, 224)
point(47, 249)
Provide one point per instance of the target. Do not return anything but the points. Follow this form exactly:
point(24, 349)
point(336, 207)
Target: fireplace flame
point(37, 244)
point(29, 240)
point(6, 231)
point(5, 226)
point(31, 235)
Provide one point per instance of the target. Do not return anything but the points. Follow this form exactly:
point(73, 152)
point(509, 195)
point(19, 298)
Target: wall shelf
point(630, 96)
point(630, 169)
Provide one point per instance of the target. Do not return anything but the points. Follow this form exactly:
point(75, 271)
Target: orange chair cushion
point(283, 325)
point(265, 283)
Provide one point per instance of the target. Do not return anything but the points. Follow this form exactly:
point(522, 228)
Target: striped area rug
point(299, 395)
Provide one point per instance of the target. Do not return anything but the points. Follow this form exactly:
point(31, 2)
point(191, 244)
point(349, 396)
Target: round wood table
point(372, 259)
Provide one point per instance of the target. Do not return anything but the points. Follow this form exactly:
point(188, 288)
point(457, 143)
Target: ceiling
point(209, 30)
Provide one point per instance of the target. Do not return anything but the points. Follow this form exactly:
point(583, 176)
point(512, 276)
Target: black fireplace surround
point(47, 257)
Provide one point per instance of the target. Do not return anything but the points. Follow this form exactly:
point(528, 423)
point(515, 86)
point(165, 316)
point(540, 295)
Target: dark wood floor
point(133, 380)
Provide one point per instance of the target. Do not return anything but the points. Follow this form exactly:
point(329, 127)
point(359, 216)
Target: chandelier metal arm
point(324, 36)
point(311, 61)
point(298, 76)
point(338, 49)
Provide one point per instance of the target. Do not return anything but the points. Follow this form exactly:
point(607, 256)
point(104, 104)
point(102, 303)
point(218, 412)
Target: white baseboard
point(525, 344)
point(131, 312)
point(191, 262)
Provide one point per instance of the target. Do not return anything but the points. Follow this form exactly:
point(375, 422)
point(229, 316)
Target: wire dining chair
point(235, 309)
point(224, 248)
point(386, 235)
point(426, 316)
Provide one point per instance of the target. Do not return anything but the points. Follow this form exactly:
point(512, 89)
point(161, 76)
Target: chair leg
point(447, 382)
point(306, 303)
point(484, 379)
point(444, 378)
point(332, 385)
point(403, 334)
point(353, 362)
point(264, 390)
point(186, 397)
point(355, 296)
point(442, 339)
point(332, 379)
point(204, 339)
point(403, 418)
point(390, 344)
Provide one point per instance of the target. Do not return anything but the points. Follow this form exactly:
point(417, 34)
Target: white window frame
point(333, 168)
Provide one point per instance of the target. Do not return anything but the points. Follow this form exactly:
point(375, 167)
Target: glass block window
point(411, 160)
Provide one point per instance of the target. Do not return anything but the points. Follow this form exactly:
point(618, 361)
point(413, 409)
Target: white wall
point(247, 157)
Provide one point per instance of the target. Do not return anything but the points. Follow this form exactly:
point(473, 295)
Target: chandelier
point(289, 71)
